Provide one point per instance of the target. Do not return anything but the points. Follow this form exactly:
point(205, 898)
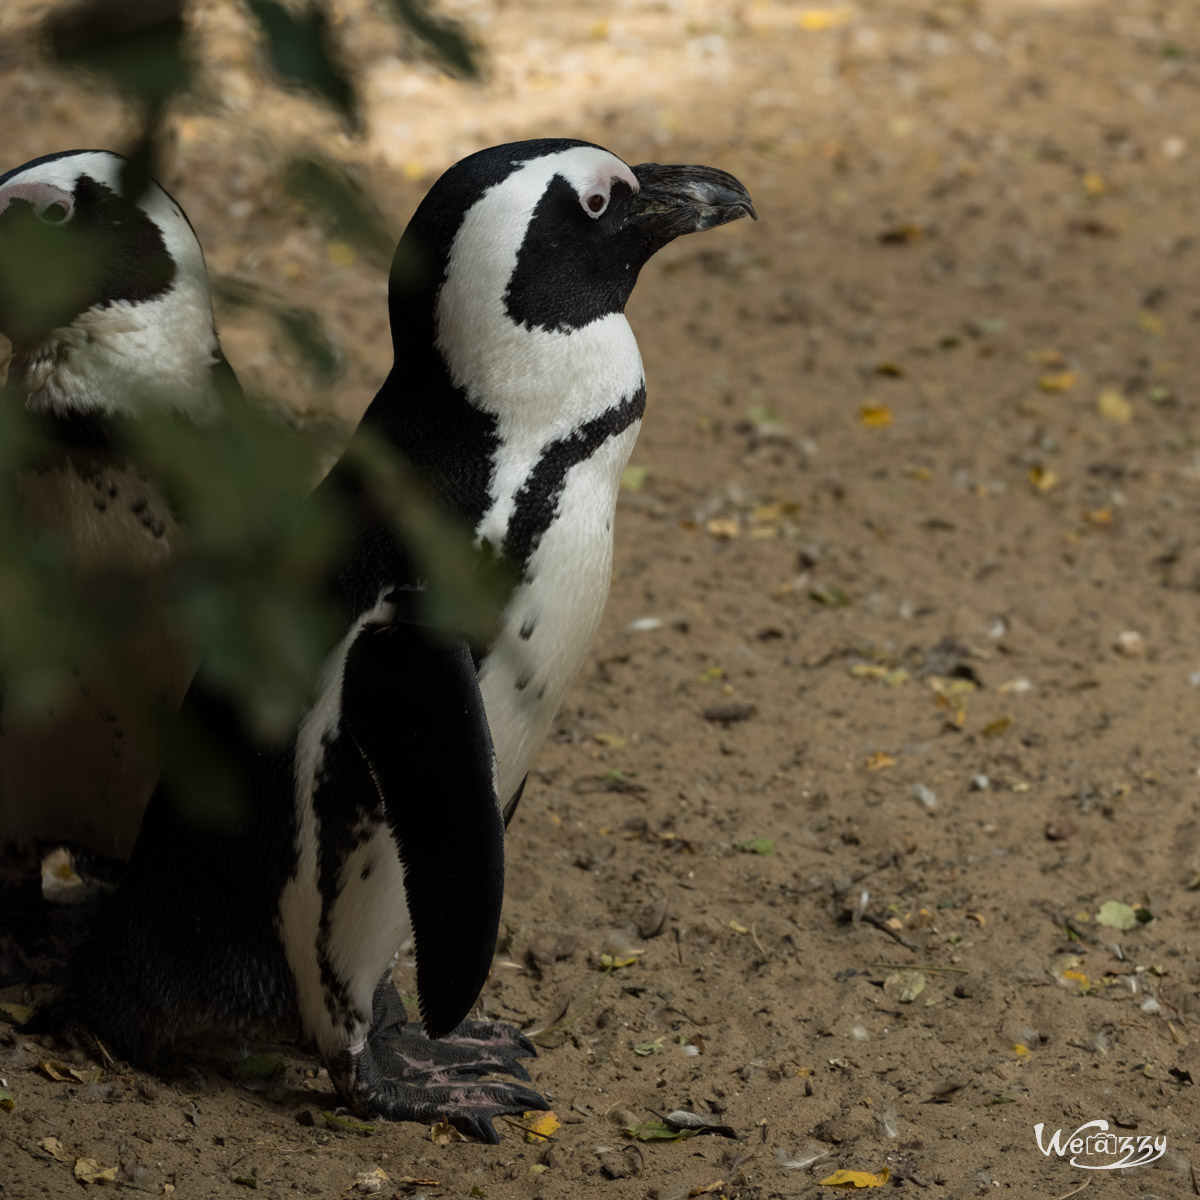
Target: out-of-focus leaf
point(299, 49)
point(325, 188)
point(301, 326)
point(138, 44)
point(450, 46)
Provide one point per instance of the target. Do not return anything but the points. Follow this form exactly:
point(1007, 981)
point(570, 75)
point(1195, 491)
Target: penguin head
point(554, 230)
point(99, 291)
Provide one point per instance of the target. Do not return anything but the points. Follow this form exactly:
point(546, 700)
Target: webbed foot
point(403, 1075)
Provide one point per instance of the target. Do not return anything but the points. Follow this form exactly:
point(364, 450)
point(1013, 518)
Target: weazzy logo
point(1094, 1142)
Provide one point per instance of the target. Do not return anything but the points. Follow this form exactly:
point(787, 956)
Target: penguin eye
point(57, 212)
point(595, 203)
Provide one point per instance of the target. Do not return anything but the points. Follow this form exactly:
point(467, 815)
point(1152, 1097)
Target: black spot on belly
point(366, 872)
point(527, 627)
point(523, 680)
point(542, 692)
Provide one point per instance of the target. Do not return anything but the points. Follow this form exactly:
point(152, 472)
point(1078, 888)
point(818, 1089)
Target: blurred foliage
point(248, 588)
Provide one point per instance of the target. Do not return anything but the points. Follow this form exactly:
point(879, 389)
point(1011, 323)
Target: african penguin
point(105, 300)
point(516, 394)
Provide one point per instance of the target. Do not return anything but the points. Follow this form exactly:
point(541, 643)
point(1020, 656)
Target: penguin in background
point(516, 396)
point(106, 302)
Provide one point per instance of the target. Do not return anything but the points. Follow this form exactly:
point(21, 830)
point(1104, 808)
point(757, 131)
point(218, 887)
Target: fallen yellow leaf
point(1058, 381)
point(1113, 406)
point(879, 760)
point(855, 1179)
point(723, 528)
point(540, 1126)
point(341, 254)
point(875, 416)
point(1043, 478)
point(816, 20)
point(1019, 1050)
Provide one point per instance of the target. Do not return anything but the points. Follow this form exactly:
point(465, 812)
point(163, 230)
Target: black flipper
point(411, 702)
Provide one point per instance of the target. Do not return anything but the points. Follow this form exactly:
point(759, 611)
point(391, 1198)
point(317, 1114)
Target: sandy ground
point(906, 594)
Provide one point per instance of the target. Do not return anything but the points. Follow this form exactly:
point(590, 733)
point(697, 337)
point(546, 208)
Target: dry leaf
point(540, 1125)
point(875, 416)
point(879, 760)
point(817, 20)
point(443, 1133)
point(1057, 382)
point(370, 1183)
point(88, 1170)
point(1116, 915)
point(1113, 406)
point(855, 1179)
point(904, 986)
point(633, 477)
point(341, 254)
point(723, 528)
point(1043, 478)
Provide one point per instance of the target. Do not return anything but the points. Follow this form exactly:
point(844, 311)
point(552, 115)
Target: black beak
point(675, 200)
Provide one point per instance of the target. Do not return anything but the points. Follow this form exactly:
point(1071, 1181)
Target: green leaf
point(755, 846)
point(299, 49)
point(834, 597)
point(6, 1100)
point(657, 1131)
point(349, 1125)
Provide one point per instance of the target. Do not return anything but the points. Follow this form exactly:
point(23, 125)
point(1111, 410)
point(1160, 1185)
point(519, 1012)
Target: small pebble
point(980, 783)
point(924, 796)
point(1059, 831)
point(1194, 679)
point(1130, 643)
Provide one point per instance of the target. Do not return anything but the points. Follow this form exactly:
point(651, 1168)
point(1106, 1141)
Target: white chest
point(552, 617)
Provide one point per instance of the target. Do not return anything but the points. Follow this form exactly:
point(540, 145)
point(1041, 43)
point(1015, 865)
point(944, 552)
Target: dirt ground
point(907, 593)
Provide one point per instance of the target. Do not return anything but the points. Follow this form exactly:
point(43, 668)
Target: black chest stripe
point(537, 502)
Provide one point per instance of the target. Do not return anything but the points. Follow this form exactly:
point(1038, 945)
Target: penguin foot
point(401, 1074)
